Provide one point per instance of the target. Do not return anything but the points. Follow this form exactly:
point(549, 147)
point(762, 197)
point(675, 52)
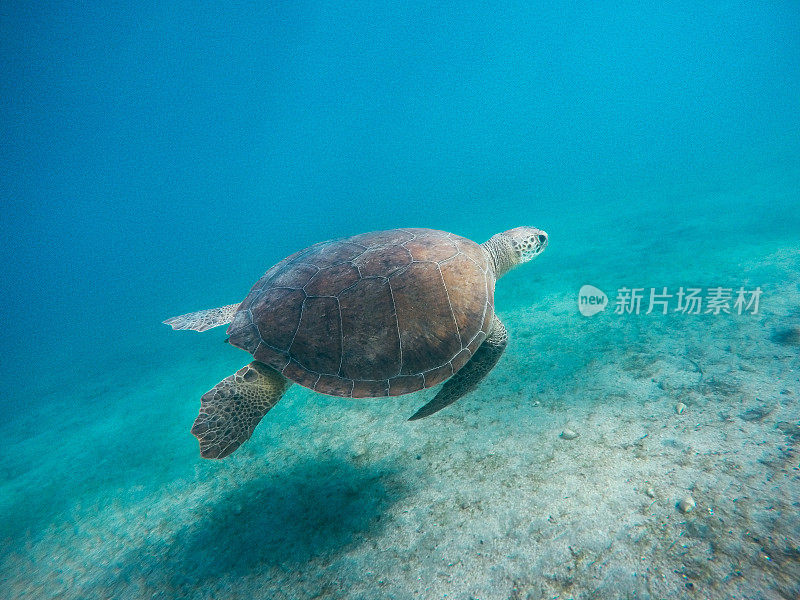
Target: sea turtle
point(378, 314)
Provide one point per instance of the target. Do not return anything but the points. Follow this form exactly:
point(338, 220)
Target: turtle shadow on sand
point(281, 521)
point(316, 509)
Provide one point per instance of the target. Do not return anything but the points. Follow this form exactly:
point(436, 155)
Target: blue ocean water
point(158, 159)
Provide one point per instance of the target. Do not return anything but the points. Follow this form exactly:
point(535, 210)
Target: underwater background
point(158, 159)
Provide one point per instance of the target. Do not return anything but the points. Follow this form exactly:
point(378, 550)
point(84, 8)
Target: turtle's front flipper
point(230, 411)
point(204, 319)
point(465, 380)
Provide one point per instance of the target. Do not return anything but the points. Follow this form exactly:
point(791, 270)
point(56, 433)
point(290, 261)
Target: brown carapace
point(378, 314)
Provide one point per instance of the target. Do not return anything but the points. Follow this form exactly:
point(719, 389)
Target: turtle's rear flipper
point(230, 411)
point(204, 319)
point(465, 380)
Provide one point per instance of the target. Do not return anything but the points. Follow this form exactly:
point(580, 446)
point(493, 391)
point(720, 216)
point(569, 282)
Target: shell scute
point(371, 346)
point(404, 384)
point(334, 253)
point(318, 339)
point(295, 277)
point(333, 386)
point(428, 332)
point(383, 261)
point(376, 239)
point(370, 389)
point(438, 375)
point(330, 281)
point(276, 327)
point(461, 279)
point(431, 249)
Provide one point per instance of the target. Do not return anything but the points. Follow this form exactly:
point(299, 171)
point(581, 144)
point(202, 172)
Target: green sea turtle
point(378, 314)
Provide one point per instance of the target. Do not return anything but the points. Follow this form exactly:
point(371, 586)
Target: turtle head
point(514, 247)
point(527, 242)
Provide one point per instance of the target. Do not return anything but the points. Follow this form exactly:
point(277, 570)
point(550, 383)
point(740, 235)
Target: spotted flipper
point(230, 411)
point(204, 319)
point(465, 380)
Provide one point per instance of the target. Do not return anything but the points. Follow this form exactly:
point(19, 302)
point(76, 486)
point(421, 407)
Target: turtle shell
point(378, 314)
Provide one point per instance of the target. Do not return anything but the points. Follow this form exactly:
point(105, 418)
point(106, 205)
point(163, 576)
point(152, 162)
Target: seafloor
point(334, 498)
